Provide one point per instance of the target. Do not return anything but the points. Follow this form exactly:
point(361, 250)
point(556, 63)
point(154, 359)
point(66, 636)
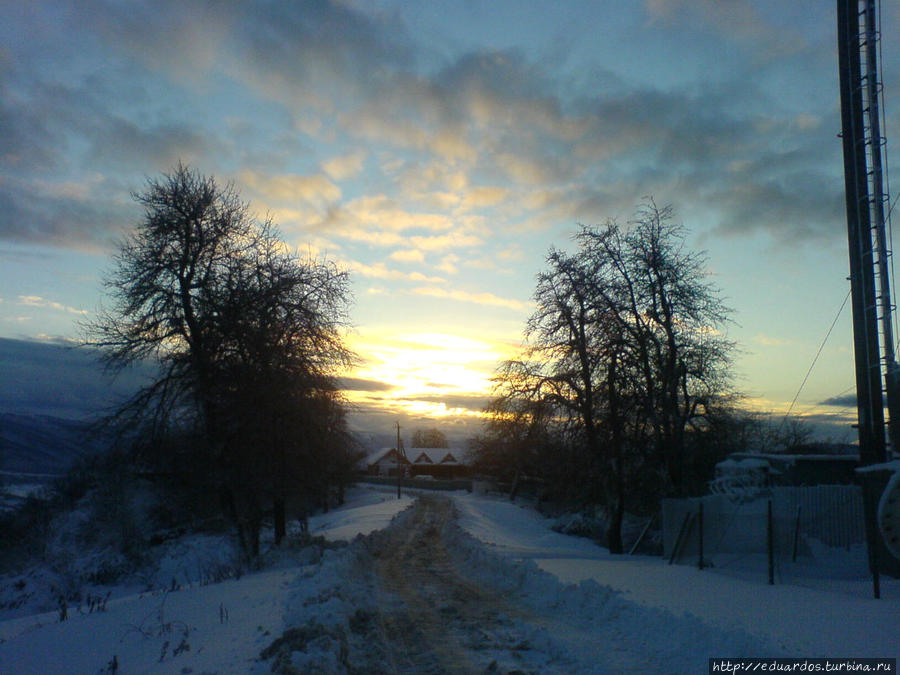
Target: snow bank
point(619, 632)
point(193, 625)
point(729, 615)
point(368, 508)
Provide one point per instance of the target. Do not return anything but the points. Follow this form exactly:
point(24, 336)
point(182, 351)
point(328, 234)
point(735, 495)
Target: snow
point(370, 510)
point(800, 619)
point(639, 613)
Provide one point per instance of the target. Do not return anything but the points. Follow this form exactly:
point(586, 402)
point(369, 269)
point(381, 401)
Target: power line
point(816, 358)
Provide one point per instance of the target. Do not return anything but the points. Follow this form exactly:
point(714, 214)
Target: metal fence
point(734, 526)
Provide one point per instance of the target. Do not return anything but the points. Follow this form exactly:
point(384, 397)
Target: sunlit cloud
point(382, 212)
point(345, 166)
point(488, 299)
point(511, 254)
point(318, 190)
point(38, 301)
point(408, 255)
point(448, 241)
point(484, 197)
point(448, 264)
point(434, 374)
point(381, 271)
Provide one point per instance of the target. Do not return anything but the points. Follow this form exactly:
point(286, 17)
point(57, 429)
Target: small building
point(389, 462)
point(766, 470)
point(439, 463)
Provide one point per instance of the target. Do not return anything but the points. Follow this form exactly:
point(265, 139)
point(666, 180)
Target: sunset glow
point(437, 151)
point(428, 374)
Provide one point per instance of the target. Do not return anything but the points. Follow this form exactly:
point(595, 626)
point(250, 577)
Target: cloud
point(317, 191)
point(359, 384)
point(484, 196)
point(381, 271)
point(344, 166)
point(285, 50)
point(408, 255)
point(473, 403)
point(488, 299)
point(740, 20)
point(447, 241)
point(448, 264)
point(381, 214)
point(37, 301)
point(31, 213)
point(446, 135)
point(842, 401)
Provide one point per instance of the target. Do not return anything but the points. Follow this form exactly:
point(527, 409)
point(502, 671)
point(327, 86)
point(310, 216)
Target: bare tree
point(626, 345)
point(671, 319)
point(248, 336)
point(429, 438)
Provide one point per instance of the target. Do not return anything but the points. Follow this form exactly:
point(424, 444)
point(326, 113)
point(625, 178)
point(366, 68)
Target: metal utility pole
point(869, 255)
point(858, 143)
point(401, 453)
point(878, 198)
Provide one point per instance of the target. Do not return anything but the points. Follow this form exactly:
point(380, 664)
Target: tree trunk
point(514, 489)
point(614, 531)
point(278, 515)
point(231, 506)
point(254, 525)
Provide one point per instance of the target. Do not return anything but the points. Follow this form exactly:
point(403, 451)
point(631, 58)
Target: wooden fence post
point(770, 537)
point(700, 518)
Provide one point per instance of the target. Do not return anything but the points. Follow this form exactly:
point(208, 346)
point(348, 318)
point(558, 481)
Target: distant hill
point(38, 378)
point(48, 394)
point(40, 444)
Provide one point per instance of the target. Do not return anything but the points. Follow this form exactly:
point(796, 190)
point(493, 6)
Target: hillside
point(49, 393)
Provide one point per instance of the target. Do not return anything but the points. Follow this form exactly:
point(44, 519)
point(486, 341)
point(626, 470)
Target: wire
point(816, 358)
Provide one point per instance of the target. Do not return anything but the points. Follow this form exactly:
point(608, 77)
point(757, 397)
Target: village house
point(442, 463)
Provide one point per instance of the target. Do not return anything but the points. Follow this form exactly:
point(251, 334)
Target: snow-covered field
point(571, 607)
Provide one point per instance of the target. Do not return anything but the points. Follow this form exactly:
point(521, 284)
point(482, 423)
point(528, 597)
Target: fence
point(419, 483)
point(733, 530)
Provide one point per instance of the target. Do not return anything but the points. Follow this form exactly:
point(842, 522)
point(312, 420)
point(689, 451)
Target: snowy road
point(423, 596)
point(433, 619)
point(440, 601)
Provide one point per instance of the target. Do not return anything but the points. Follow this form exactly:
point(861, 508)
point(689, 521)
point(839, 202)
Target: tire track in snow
point(431, 618)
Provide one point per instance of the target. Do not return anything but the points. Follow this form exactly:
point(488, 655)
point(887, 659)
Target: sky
point(437, 150)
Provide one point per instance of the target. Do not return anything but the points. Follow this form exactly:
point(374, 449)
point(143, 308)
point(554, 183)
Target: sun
point(428, 373)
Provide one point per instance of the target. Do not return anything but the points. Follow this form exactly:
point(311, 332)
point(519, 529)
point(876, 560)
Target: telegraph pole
point(862, 145)
point(870, 403)
point(400, 453)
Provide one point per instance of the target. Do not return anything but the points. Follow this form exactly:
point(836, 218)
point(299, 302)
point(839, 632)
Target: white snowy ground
point(675, 615)
point(836, 617)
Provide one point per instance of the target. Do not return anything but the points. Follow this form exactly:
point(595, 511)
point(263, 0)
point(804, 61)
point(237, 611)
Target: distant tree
point(521, 440)
point(626, 346)
point(429, 438)
point(248, 337)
